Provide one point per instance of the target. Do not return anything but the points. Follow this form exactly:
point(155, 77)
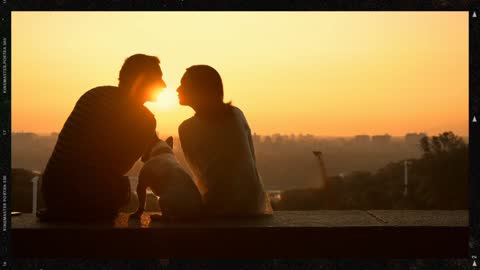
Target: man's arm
point(136, 136)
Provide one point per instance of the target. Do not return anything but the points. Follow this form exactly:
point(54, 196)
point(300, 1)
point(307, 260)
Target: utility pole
point(405, 191)
point(34, 193)
point(35, 181)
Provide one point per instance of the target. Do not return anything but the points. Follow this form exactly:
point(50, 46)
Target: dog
point(179, 197)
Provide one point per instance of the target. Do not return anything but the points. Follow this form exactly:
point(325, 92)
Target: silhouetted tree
point(444, 171)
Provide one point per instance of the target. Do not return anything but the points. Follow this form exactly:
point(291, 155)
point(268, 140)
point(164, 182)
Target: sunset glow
point(166, 101)
point(324, 73)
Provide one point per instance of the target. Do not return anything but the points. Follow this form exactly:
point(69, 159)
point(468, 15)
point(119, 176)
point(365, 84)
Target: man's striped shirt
point(101, 140)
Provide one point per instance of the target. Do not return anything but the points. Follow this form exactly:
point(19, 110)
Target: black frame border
point(243, 5)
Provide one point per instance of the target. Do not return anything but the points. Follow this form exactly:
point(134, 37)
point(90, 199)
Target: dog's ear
point(169, 141)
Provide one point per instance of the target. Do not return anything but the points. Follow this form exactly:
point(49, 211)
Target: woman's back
point(221, 155)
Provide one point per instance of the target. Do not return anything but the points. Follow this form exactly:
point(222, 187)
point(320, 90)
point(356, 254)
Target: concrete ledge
point(376, 233)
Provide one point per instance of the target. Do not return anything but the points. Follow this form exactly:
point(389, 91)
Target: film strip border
point(240, 5)
point(5, 129)
point(474, 131)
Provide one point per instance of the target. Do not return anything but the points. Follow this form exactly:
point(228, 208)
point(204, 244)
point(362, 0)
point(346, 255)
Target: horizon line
point(284, 134)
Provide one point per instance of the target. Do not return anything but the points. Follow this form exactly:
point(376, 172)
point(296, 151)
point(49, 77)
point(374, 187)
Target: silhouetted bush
point(437, 180)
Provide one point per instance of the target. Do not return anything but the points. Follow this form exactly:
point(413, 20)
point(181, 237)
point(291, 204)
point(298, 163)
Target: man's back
point(100, 141)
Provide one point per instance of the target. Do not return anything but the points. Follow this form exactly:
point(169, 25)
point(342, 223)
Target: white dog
point(178, 195)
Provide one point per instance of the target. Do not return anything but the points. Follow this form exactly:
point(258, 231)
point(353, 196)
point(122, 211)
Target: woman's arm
point(185, 141)
point(189, 145)
point(190, 140)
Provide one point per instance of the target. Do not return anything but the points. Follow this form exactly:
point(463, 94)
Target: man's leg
point(117, 194)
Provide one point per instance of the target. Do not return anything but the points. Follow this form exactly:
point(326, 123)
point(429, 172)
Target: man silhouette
point(106, 133)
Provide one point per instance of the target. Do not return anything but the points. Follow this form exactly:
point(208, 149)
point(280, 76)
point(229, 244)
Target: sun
point(166, 100)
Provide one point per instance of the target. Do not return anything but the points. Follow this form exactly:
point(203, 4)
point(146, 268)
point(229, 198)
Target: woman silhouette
point(218, 147)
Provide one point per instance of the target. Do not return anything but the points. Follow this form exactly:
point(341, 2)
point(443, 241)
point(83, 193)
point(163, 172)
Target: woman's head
point(201, 87)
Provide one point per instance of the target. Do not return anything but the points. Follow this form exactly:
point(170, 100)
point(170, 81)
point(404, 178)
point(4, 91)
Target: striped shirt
point(103, 137)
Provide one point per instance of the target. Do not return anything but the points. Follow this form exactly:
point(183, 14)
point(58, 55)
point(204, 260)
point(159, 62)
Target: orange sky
point(325, 73)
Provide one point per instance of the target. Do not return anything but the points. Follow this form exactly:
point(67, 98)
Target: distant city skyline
point(275, 134)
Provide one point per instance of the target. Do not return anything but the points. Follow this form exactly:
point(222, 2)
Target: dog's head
point(157, 147)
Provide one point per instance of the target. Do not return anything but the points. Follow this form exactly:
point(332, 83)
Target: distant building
point(381, 139)
point(414, 138)
point(361, 139)
point(279, 138)
point(24, 134)
point(256, 138)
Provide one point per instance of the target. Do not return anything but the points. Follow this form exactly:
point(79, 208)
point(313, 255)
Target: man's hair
point(134, 66)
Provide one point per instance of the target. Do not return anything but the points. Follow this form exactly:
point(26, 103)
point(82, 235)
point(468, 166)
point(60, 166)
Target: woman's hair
point(208, 82)
point(135, 65)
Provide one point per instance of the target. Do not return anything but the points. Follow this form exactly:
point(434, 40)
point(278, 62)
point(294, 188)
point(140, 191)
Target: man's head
point(141, 77)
